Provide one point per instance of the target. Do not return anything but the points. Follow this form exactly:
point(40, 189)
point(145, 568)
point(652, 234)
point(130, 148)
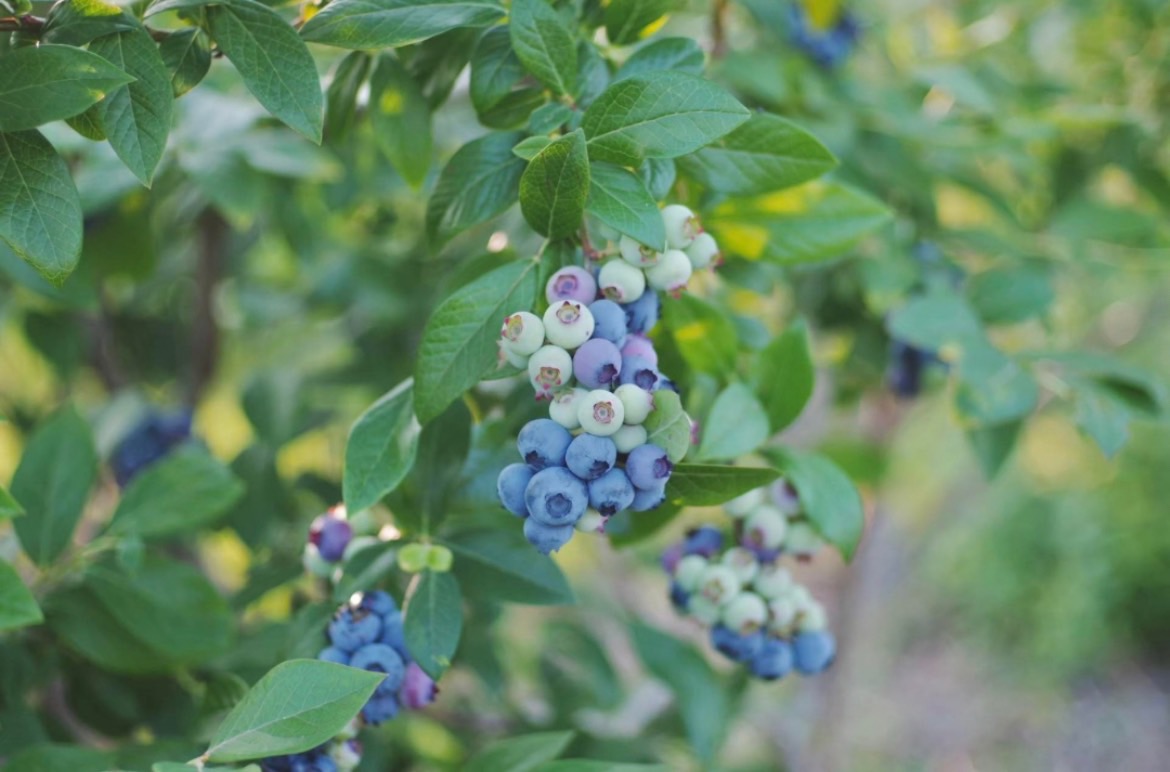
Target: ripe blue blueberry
point(590, 456)
point(640, 372)
point(571, 283)
point(814, 651)
point(148, 442)
point(609, 321)
point(611, 493)
point(678, 596)
point(646, 499)
point(380, 708)
point(642, 314)
point(547, 538)
point(773, 660)
point(510, 487)
point(706, 541)
point(648, 467)
point(597, 363)
point(556, 497)
point(734, 646)
point(378, 602)
point(542, 443)
point(394, 634)
point(418, 689)
point(333, 654)
point(381, 658)
point(350, 630)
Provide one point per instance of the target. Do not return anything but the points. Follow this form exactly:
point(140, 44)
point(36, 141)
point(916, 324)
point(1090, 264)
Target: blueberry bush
point(326, 324)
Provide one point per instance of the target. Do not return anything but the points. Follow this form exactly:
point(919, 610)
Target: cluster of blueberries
point(589, 357)
point(758, 614)
point(149, 441)
point(829, 41)
point(341, 754)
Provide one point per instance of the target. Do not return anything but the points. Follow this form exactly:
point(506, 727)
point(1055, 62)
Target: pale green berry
point(357, 544)
point(703, 251)
point(363, 522)
point(568, 324)
point(745, 613)
point(703, 610)
point(781, 615)
point(345, 757)
point(638, 254)
point(629, 437)
point(765, 528)
point(800, 595)
point(512, 358)
point(522, 333)
point(671, 273)
point(621, 282)
point(349, 731)
point(773, 581)
point(743, 562)
point(681, 226)
point(439, 559)
point(601, 413)
point(801, 540)
point(718, 584)
point(637, 401)
point(591, 522)
point(742, 506)
point(315, 564)
point(412, 558)
point(549, 369)
point(689, 572)
point(812, 617)
point(563, 407)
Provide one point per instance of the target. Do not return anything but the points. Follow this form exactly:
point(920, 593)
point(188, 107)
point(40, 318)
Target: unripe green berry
point(703, 251)
point(745, 613)
point(811, 617)
point(637, 401)
point(522, 333)
point(718, 584)
point(315, 564)
point(781, 615)
point(568, 324)
point(563, 407)
point(591, 522)
point(621, 282)
point(801, 540)
point(689, 572)
point(629, 437)
point(681, 226)
point(766, 527)
point(742, 506)
point(512, 358)
point(412, 558)
point(637, 254)
point(703, 610)
point(549, 369)
point(357, 544)
point(773, 581)
point(672, 272)
point(439, 559)
point(601, 413)
point(743, 562)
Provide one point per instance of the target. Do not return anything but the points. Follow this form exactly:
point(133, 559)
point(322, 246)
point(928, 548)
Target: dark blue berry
point(510, 486)
point(546, 538)
point(706, 541)
point(542, 443)
point(740, 648)
point(648, 467)
point(611, 493)
point(773, 660)
point(556, 497)
point(643, 313)
point(609, 321)
point(590, 456)
point(813, 652)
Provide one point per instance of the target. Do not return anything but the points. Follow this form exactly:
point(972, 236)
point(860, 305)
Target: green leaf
point(709, 485)
point(401, 118)
point(554, 187)
point(659, 175)
point(618, 198)
point(933, 321)
point(185, 491)
point(77, 22)
point(1103, 419)
point(992, 387)
point(501, 565)
point(549, 117)
point(186, 53)
point(39, 84)
point(40, 211)
point(273, 62)
point(658, 115)
point(544, 44)
point(530, 147)
point(1138, 389)
point(365, 568)
point(480, 181)
point(459, 343)
point(50, 757)
point(704, 335)
point(592, 765)
point(434, 622)
point(521, 754)
point(341, 96)
point(668, 426)
point(18, 607)
point(736, 425)
point(381, 448)
point(1009, 295)
point(625, 19)
point(514, 110)
point(812, 223)
point(160, 6)
point(993, 445)
point(362, 24)
point(765, 154)
point(435, 480)
point(785, 375)
point(664, 55)
point(828, 497)
point(9, 507)
point(136, 118)
point(53, 480)
point(702, 700)
point(298, 705)
point(83, 623)
point(495, 69)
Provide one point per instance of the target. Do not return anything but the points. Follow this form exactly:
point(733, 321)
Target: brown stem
point(212, 243)
point(57, 706)
point(719, 29)
point(103, 349)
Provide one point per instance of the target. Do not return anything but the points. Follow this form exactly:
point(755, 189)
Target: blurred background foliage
point(1021, 623)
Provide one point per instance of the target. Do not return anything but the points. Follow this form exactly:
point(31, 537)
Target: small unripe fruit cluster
point(758, 614)
point(773, 521)
point(638, 267)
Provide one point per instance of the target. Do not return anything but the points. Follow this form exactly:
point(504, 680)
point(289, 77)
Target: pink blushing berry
point(571, 283)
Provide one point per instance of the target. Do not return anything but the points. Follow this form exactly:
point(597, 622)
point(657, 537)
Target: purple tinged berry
point(571, 283)
point(330, 534)
point(621, 282)
point(609, 321)
point(601, 413)
point(590, 456)
point(611, 493)
point(647, 499)
point(629, 437)
point(333, 654)
point(568, 324)
point(556, 497)
point(547, 538)
point(642, 314)
point(381, 658)
point(640, 346)
point(785, 497)
point(813, 652)
point(736, 646)
point(640, 372)
point(378, 602)
point(542, 443)
point(510, 486)
point(380, 708)
point(549, 369)
point(648, 467)
point(597, 363)
point(350, 630)
point(774, 659)
point(418, 689)
point(671, 557)
point(706, 541)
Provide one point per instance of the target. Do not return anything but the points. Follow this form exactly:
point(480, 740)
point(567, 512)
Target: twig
point(212, 242)
point(57, 705)
point(719, 29)
point(103, 349)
